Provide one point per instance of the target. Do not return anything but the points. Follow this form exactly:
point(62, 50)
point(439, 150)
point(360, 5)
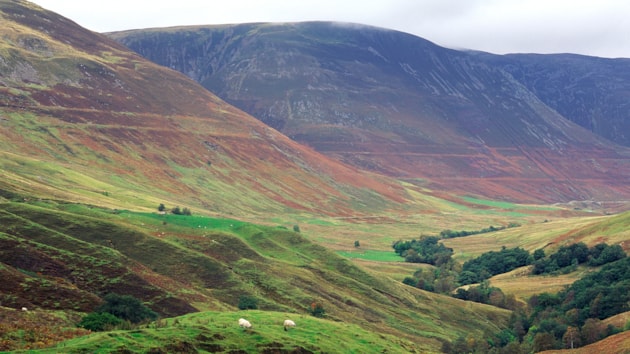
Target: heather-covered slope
point(592, 92)
point(396, 104)
point(93, 138)
point(82, 118)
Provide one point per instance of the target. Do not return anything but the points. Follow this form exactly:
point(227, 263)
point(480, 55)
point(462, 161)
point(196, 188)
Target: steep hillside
point(396, 104)
point(84, 119)
point(592, 92)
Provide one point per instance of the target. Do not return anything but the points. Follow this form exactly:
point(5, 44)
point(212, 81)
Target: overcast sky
point(590, 27)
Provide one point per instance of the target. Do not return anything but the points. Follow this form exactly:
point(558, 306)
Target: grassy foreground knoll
point(219, 332)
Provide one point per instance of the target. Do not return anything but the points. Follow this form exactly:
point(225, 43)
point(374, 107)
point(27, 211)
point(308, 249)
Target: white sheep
point(244, 323)
point(288, 323)
point(24, 309)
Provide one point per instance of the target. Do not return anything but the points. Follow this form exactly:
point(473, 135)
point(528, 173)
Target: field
point(520, 283)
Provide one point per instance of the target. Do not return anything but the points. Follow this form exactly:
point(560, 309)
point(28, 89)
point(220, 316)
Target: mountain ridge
point(396, 104)
point(88, 103)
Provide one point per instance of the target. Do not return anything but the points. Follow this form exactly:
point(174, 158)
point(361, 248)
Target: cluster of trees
point(449, 275)
point(463, 233)
point(493, 263)
point(442, 279)
point(486, 294)
point(571, 318)
point(567, 258)
point(426, 249)
point(176, 210)
point(116, 311)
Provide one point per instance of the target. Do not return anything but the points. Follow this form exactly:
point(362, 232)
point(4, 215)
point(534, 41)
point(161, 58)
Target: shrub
point(317, 310)
point(126, 307)
point(424, 250)
point(99, 321)
point(246, 302)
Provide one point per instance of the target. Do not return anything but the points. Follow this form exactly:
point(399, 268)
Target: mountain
point(592, 92)
point(401, 106)
point(83, 118)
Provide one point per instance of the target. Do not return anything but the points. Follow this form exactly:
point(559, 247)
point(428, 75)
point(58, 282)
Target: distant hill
point(402, 106)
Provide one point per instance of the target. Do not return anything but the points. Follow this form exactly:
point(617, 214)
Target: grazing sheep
point(24, 309)
point(288, 323)
point(244, 323)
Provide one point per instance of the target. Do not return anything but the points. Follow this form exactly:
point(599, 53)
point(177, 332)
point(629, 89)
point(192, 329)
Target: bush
point(246, 302)
point(424, 250)
point(411, 281)
point(99, 321)
point(317, 310)
point(126, 307)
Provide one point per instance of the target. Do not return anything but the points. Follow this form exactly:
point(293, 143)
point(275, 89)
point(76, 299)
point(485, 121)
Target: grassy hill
point(219, 332)
point(182, 264)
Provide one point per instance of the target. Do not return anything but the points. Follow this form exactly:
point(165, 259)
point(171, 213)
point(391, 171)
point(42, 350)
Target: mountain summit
point(398, 105)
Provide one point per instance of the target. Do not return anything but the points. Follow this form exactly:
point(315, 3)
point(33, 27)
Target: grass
point(523, 285)
point(548, 235)
point(205, 261)
point(219, 331)
point(505, 205)
point(372, 255)
point(394, 270)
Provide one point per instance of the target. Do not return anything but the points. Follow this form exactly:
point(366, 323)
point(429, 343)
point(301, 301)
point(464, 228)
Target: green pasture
point(505, 205)
point(207, 332)
point(372, 255)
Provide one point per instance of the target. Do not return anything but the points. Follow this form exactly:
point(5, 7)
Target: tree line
point(567, 258)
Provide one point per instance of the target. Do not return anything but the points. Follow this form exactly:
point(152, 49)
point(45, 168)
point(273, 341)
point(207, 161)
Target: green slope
point(180, 264)
point(219, 332)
